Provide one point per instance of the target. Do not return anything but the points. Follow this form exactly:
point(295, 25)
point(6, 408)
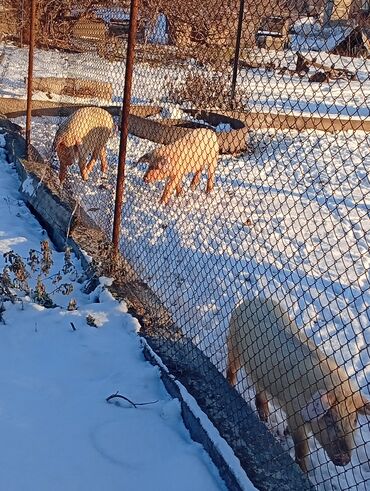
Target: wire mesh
point(78, 82)
point(286, 221)
point(246, 195)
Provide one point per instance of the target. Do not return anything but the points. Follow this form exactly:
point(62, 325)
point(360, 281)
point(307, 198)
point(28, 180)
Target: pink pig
point(83, 136)
point(196, 151)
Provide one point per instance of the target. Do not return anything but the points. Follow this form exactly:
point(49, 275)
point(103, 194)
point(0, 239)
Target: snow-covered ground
point(290, 219)
point(57, 430)
point(262, 89)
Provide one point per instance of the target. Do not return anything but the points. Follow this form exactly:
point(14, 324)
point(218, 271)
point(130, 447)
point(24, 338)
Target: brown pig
point(196, 151)
point(315, 393)
point(83, 136)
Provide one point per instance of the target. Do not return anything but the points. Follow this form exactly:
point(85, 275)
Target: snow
point(172, 111)
point(268, 33)
point(223, 127)
point(223, 448)
point(57, 430)
point(27, 186)
point(116, 13)
point(290, 218)
point(319, 39)
point(262, 92)
point(158, 35)
point(307, 26)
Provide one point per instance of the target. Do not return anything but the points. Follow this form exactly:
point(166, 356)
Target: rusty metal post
point(237, 48)
point(30, 75)
point(134, 7)
point(22, 21)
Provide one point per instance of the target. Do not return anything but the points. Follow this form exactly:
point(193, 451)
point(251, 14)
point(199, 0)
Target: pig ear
point(364, 405)
point(143, 158)
point(317, 407)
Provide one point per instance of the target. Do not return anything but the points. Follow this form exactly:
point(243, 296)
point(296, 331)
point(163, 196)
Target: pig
point(315, 393)
point(82, 136)
point(196, 151)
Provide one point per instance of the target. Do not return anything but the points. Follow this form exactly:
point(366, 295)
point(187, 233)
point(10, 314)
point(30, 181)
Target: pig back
point(277, 356)
point(195, 151)
point(88, 124)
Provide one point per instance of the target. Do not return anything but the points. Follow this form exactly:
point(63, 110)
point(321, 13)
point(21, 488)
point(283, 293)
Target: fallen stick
point(135, 404)
point(331, 71)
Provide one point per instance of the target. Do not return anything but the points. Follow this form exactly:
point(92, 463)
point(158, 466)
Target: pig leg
point(103, 162)
point(75, 152)
point(233, 364)
point(83, 170)
point(300, 446)
point(210, 180)
point(178, 190)
point(65, 156)
point(168, 190)
point(262, 405)
point(62, 173)
point(196, 180)
point(80, 154)
point(89, 167)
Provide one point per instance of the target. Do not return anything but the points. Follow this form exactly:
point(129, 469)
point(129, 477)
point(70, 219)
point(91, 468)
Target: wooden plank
point(93, 29)
point(74, 87)
point(253, 119)
point(14, 108)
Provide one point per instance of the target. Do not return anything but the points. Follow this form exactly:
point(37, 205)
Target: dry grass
point(206, 90)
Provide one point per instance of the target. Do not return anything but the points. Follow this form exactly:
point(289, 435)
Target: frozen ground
point(57, 430)
point(290, 219)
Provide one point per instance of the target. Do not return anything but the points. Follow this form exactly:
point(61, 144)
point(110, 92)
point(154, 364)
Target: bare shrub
point(206, 90)
point(15, 277)
point(54, 19)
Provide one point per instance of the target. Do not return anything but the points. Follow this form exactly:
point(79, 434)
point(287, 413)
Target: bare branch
point(117, 395)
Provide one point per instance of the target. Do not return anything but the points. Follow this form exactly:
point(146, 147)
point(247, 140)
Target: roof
point(324, 39)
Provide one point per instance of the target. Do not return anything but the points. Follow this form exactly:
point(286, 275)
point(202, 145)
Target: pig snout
point(341, 459)
point(337, 436)
point(338, 453)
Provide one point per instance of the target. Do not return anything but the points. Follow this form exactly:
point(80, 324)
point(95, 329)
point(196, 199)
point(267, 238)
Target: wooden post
point(30, 76)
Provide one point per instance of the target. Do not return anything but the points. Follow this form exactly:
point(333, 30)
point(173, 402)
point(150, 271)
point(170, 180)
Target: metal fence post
point(30, 75)
point(134, 7)
point(237, 48)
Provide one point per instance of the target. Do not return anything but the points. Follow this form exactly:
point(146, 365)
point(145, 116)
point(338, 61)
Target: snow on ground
point(57, 430)
point(290, 219)
point(262, 89)
point(311, 36)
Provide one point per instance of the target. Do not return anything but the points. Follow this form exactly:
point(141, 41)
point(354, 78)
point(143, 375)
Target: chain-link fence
point(245, 205)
